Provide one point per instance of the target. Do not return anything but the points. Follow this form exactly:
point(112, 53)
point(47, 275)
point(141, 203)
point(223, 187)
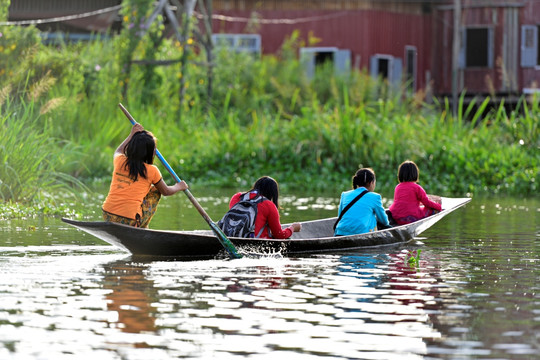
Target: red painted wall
point(530, 77)
point(368, 32)
point(485, 80)
point(363, 32)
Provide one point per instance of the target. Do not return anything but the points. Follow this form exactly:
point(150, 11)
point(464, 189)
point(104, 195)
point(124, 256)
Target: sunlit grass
point(31, 157)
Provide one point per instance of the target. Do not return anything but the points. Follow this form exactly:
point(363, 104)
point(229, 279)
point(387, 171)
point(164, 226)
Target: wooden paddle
point(227, 244)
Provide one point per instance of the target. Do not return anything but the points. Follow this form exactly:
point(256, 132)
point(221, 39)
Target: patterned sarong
point(149, 207)
point(410, 219)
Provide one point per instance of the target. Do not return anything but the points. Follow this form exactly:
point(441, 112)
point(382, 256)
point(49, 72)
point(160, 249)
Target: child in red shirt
point(267, 224)
point(411, 203)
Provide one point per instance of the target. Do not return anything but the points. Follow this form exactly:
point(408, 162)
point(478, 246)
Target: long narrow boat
point(316, 236)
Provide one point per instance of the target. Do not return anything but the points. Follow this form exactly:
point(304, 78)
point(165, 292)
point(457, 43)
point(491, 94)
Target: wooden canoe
point(316, 236)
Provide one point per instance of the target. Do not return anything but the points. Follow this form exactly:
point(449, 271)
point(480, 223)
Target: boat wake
point(258, 252)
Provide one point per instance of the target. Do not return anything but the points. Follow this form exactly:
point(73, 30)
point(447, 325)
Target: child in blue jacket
point(363, 215)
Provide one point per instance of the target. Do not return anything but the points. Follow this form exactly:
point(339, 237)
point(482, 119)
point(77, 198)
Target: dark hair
point(363, 177)
point(269, 188)
point(408, 171)
point(139, 150)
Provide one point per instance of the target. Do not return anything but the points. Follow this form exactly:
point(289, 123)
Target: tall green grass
point(266, 117)
point(30, 158)
point(324, 147)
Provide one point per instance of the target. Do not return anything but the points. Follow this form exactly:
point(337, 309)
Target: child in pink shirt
point(411, 203)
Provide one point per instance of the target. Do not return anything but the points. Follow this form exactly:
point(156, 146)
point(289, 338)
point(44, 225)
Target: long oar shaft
point(219, 233)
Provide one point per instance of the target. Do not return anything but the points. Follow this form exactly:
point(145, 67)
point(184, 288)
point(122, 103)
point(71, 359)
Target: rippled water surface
point(474, 294)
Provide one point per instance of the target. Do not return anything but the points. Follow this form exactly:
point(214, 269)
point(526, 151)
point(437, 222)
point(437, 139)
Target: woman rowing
point(136, 185)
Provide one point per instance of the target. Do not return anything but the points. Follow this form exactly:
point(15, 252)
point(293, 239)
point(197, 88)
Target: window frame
point(530, 55)
point(341, 59)
point(490, 47)
point(395, 68)
point(236, 42)
point(414, 76)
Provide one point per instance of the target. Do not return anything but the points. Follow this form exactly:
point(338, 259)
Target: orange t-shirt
point(125, 195)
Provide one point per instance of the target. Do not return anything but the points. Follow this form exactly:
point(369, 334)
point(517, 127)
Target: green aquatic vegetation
point(412, 258)
point(46, 207)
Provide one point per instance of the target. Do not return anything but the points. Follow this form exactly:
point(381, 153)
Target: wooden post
point(456, 45)
point(206, 41)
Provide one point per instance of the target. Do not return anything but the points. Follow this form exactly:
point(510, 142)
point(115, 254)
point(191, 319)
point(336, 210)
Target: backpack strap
point(260, 231)
point(247, 197)
point(257, 199)
point(349, 206)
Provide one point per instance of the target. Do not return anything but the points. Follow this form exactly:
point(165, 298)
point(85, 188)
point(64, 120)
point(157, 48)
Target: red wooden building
point(409, 41)
point(499, 52)
point(405, 40)
point(390, 38)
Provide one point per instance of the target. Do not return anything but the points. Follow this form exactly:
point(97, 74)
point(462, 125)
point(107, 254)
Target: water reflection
point(131, 296)
point(279, 304)
point(474, 294)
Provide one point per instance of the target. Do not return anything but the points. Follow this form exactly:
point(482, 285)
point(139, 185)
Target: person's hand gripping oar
point(227, 244)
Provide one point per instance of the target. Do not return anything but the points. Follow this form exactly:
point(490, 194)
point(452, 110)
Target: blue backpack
point(239, 221)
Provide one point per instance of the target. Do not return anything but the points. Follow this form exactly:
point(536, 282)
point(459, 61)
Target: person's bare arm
point(435, 198)
point(167, 190)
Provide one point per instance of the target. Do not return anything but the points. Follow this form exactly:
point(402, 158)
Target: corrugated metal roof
point(56, 9)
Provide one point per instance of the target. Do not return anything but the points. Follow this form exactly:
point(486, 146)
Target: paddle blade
point(225, 242)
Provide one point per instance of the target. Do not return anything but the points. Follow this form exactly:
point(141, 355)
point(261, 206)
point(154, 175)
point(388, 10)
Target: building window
point(537, 46)
point(477, 48)
point(324, 57)
point(250, 43)
point(386, 67)
point(530, 46)
point(315, 57)
point(411, 55)
point(382, 67)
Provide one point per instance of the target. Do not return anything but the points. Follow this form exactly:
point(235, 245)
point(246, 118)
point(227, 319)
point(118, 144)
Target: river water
point(475, 293)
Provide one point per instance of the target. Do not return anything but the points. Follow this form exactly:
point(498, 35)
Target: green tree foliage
point(140, 39)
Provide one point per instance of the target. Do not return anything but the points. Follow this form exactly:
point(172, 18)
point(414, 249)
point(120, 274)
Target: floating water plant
point(413, 260)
